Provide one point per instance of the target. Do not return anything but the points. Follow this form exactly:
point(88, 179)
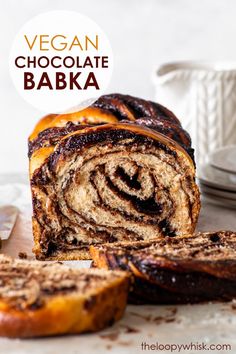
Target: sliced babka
point(42, 299)
point(175, 270)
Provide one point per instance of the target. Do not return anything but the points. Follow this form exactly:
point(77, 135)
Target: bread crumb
point(22, 255)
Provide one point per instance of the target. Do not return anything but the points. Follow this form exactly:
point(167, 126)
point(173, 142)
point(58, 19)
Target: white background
point(143, 34)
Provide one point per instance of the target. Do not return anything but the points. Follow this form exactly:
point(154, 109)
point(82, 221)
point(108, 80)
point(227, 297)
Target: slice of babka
point(42, 299)
point(175, 270)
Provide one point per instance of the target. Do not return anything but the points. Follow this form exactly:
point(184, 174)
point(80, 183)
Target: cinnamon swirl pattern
point(120, 170)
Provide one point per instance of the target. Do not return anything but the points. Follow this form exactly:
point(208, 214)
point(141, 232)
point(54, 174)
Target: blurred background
point(143, 35)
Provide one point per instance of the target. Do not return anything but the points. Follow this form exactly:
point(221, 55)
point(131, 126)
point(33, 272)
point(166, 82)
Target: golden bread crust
point(66, 314)
point(54, 311)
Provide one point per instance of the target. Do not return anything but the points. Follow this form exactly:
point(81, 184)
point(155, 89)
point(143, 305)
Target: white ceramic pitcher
point(203, 96)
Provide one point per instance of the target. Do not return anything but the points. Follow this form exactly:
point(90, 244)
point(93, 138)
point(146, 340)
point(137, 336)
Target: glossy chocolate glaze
point(203, 288)
point(107, 134)
point(51, 136)
point(137, 106)
point(127, 108)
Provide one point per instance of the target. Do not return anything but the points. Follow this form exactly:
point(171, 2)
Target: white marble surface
point(210, 323)
point(142, 33)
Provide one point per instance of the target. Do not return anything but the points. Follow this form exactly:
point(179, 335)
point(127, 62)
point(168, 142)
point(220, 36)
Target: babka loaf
point(120, 170)
point(175, 270)
point(42, 299)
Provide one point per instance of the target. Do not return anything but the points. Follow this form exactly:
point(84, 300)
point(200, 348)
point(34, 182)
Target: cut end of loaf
point(112, 182)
